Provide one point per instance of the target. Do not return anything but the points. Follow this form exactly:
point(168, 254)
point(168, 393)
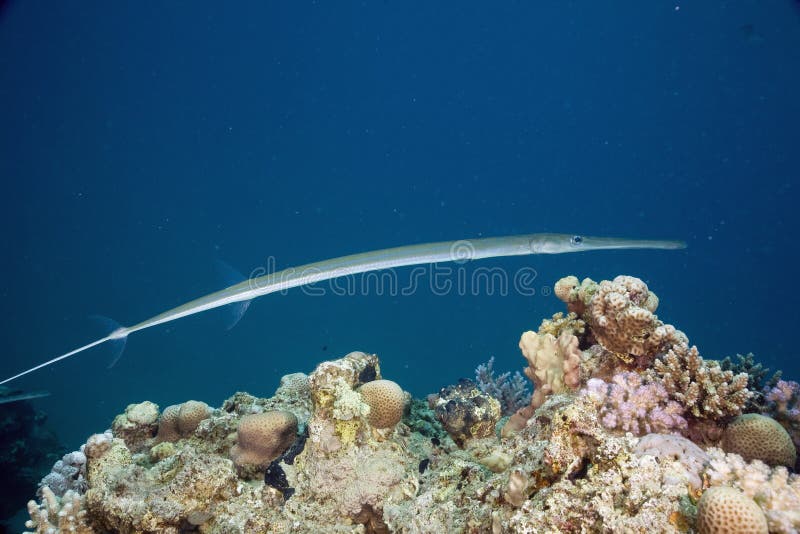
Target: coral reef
point(622, 434)
point(54, 514)
point(511, 390)
point(775, 490)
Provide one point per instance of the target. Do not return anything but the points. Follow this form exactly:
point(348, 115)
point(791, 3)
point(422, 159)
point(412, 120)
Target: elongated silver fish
point(462, 250)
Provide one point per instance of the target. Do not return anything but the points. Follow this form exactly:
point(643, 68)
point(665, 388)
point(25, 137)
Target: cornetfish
point(463, 250)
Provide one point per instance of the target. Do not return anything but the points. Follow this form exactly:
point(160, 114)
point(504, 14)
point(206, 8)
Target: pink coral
point(629, 403)
point(783, 405)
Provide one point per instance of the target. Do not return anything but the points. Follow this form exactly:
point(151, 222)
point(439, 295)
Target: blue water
point(139, 142)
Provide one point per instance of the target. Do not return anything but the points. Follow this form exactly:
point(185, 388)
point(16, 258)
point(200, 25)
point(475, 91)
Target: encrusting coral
point(621, 435)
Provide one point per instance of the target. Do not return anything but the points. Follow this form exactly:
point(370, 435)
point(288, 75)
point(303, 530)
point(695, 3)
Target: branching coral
point(511, 390)
point(54, 514)
point(701, 386)
point(775, 490)
point(628, 403)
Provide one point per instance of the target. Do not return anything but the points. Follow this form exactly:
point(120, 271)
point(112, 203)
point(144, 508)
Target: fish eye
point(576, 240)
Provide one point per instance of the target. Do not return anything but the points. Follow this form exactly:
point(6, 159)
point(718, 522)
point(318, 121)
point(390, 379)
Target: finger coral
point(632, 405)
point(54, 514)
point(553, 363)
point(702, 387)
point(758, 437)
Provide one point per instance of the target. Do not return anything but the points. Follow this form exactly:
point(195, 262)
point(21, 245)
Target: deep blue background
point(140, 141)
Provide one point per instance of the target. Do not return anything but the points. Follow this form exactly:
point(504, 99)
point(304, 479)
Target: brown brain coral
point(262, 437)
point(386, 402)
point(726, 510)
point(758, 437)
point(181, 420)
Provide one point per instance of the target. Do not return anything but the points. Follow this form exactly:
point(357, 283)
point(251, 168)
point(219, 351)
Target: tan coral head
point(263, 437)
point(386, 402)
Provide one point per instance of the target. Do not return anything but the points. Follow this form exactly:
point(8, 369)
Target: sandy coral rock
point(386, 401)
point(553, 363)
point(465, 411)
point(692, 458)
point(758, 437)
point(137, 425)
point(355, 369)
point(262, 437)
point(103, 455)
point(181, 420)
point(726, 510)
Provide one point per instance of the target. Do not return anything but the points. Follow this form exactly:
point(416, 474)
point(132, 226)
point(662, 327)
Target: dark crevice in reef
point(275, 477)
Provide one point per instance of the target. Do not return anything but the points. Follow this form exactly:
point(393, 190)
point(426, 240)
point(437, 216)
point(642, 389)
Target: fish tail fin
point(116, 336)
point(229, 276)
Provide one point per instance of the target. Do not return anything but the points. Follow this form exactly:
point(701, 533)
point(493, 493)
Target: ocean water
point(140, 142)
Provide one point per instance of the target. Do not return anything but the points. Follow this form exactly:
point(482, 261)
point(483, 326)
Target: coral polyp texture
point(262, 437)
point(628, 429)
point(724, 510)
point(758, 437)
